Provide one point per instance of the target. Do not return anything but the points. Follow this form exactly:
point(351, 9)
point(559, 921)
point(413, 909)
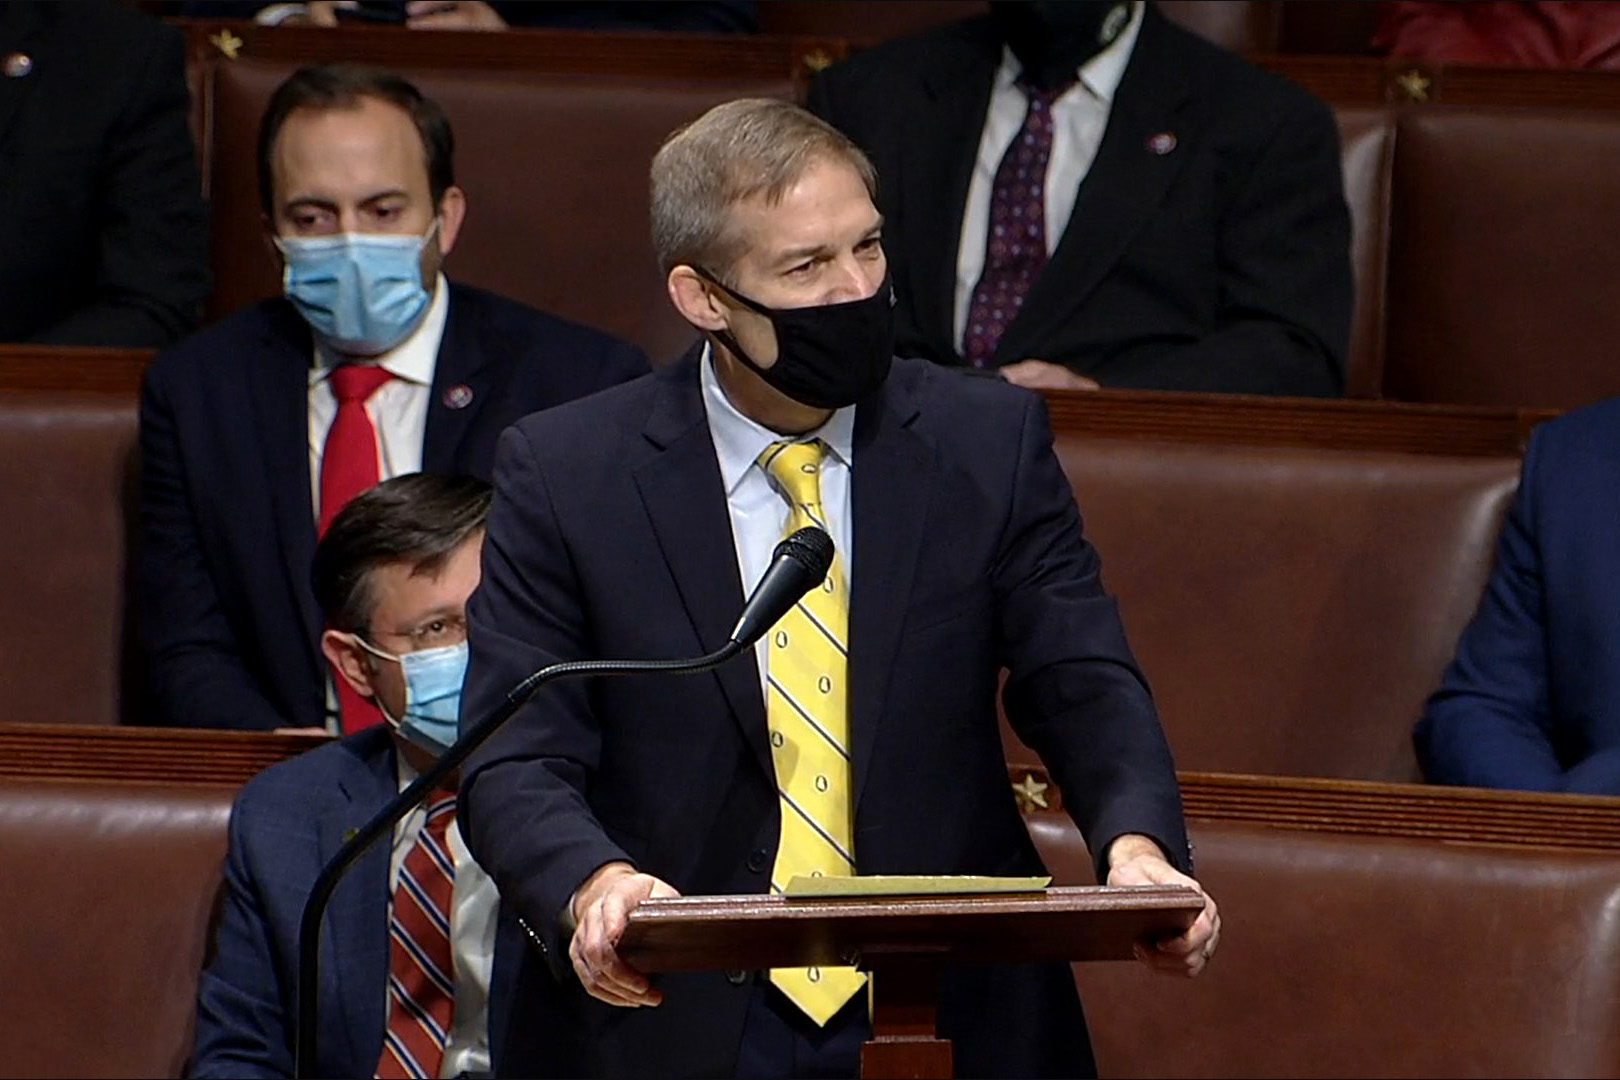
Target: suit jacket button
point(757, 859)
point(736, 978)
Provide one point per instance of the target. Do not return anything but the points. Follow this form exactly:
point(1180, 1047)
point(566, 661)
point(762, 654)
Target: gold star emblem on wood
point(227, 43)
point(1414, 84)
point(1031, 794)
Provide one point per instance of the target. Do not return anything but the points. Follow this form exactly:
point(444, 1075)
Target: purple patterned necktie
point(1015, 247)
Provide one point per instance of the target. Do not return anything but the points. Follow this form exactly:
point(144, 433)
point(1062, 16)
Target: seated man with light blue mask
point(418, 964)
point(372, 364)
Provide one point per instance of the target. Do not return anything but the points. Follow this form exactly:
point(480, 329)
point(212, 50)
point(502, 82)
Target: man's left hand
point(1137, 860)
point(1043, 375)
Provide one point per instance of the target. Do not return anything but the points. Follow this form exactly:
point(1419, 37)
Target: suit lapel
point(892, 481)
point(279, 404)
point(462, 384)
point(685, 500)
point(936, 170)
point(1124, 187)
point(23, 31)
point(355, 932)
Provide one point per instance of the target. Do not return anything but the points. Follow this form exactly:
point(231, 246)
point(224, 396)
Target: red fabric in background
point(1553, 34)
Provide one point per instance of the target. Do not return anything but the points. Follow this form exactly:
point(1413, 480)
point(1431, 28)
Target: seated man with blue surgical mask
point(418, 966)
point(256, 431)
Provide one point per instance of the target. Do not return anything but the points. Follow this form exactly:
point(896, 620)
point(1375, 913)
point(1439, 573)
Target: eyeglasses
point(434, 633)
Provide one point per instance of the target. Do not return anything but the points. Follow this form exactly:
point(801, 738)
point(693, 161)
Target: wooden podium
point(903, 941)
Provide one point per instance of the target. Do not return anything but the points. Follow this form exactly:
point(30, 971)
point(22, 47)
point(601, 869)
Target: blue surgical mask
point(433, 680)
point(362, 293)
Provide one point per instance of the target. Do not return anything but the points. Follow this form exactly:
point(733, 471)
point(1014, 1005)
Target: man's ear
point(350, 661)
point(268, 235)
point(452, 212)
point(696, 299)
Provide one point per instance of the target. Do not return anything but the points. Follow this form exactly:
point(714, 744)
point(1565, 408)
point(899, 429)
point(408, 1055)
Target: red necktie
point(1015, 246)
point(349, 465)
point(421, 967)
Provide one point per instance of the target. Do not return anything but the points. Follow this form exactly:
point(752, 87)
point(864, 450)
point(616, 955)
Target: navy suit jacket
point(1221, 265)
point(104, 227)
point(228, 622)
point(1532, 699)
point(286, 824)
point(611, 537)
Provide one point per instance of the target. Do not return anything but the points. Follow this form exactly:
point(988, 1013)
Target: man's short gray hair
point(733, 152)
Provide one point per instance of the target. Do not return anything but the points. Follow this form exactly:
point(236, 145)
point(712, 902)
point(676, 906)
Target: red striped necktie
point(421, 967)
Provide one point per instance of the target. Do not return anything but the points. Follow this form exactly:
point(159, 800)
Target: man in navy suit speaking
point(861, 737)
point(255, 431)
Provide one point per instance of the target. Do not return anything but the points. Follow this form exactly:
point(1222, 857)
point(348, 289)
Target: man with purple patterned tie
point(1081, 193)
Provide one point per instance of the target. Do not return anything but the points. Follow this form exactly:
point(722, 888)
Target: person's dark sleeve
point(1074, 693)
point(243, 1026)
point(1285, 289)
point(152, 266)
point(193, 662)
point(523, 806)
point(1490, 723)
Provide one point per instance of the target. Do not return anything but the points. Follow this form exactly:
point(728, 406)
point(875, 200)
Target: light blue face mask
point(362, 293)
point(433, 680)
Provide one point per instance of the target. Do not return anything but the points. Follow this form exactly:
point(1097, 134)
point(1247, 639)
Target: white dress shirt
point(474, 906)
point(759, 514)
point(1079, 119)
point(398, 409)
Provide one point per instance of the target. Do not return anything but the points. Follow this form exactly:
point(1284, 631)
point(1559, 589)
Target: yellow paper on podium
point(911, 885)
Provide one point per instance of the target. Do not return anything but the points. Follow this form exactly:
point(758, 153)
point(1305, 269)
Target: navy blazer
point(285, 825)
point(1532, 699)
point(611, 537)
point(228, 622)
point(1221, 263)
point(103, 227)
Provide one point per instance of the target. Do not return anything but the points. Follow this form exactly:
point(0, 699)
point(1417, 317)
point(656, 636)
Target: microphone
point(799, 564)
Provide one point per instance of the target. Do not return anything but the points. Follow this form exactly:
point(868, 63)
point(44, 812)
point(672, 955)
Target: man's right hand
point(600, 907)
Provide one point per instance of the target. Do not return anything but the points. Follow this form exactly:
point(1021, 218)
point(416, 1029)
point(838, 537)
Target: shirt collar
point(738, 441)
point(413, 359)
point(1101, 75)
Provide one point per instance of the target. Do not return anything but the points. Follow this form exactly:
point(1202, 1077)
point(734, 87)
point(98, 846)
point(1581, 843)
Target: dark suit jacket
point(286, 824)
point(105, 235)
point(1532, 699)
point(611, 538)
point(228, 620)
point(1222, 265)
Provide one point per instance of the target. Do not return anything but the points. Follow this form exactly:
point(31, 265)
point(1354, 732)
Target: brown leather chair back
point(1361, 955)
point(1502, 257)
point(1291, 607)
point(112, 895)
point(67, 465)
point(555, 170)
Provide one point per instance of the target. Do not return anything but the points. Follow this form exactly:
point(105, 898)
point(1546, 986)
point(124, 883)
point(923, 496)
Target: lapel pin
point(16, 65)
point(1162, 143)
point(458, 396)
point(350, 834)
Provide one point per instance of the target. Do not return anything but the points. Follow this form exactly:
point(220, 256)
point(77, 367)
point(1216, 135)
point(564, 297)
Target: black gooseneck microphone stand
point(799, 563)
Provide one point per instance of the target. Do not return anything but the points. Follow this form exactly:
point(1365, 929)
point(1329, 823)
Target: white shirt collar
point(738, 441)
point(1101, 75)
point(413, 359)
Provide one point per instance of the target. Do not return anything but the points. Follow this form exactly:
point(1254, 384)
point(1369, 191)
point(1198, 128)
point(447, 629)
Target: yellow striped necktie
point(807, 713)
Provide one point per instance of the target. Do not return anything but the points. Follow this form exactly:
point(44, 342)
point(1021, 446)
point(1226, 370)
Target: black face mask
point(827, 356)
point(1052, 38)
